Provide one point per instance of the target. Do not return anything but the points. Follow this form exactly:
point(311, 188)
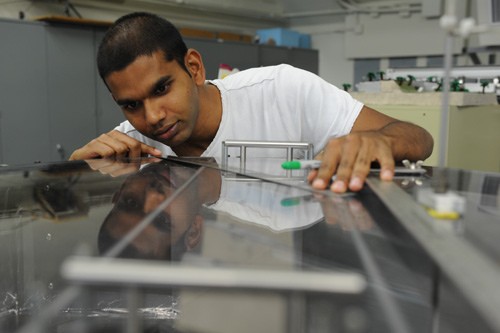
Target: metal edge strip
point(88, 270)
point(475, 274)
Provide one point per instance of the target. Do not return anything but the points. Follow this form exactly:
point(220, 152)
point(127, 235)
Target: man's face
point(158, 97)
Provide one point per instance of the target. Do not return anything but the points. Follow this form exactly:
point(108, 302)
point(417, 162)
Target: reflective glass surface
point(184, 245)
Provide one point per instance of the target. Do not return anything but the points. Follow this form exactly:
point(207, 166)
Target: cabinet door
point(301, 58)
point(71, 89)
point(24, 121)
point(272, 55)
point(305, 58)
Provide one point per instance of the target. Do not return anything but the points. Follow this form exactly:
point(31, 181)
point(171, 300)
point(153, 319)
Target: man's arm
point(114, 144)
point(374, 137)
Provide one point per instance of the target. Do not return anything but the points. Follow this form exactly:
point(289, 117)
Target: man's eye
point(130, 106)
point(129, 204)
point(161, 89)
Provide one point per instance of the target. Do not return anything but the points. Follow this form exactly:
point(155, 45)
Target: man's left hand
point(349, 158)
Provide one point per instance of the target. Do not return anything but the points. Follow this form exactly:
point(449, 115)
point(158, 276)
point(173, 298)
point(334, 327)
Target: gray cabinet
point(53, 100)
point(302, 58)
point(71, 89)
point(243, 55)
point(50, 91)
point(24, 115)
point(234, 54)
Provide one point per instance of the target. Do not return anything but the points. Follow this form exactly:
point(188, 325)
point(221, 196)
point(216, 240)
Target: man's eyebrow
point(122, 102)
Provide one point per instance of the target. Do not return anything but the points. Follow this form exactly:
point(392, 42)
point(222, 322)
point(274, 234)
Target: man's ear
point(194, 64)
point(194, 234)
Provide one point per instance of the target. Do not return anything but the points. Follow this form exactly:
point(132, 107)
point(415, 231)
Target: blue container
point(283, 37)
point(305, 41)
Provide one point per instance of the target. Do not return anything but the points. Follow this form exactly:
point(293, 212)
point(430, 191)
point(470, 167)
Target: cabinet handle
point(61, 152)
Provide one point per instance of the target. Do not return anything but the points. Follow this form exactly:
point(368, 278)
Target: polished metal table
point(189, 245)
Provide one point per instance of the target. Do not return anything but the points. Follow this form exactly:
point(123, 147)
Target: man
point(171, 109)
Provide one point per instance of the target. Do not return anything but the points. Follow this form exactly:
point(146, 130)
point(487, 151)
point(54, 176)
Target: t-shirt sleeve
point(125, 127)
point(324, 111)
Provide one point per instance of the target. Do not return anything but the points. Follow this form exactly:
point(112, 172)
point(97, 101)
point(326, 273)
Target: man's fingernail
point(355, 183)
point(386, 175)
point(318, 183)
point(338, 186)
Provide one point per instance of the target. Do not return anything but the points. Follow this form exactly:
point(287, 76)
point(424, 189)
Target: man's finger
point(386, 162)
point(361, 167)
point(135, 148)
point(348, 158)
point(330, 159)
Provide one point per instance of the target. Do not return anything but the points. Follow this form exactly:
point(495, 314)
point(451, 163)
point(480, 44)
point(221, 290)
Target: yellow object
point(443, 215)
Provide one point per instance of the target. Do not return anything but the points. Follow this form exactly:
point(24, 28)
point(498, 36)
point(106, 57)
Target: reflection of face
point(158, 97)
point(140, 195)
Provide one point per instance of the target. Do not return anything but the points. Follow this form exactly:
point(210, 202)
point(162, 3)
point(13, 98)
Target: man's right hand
point(116, 167)
point(114, 144)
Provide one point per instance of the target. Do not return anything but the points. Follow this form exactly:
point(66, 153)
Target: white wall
point(333, 64)
point(329, 40)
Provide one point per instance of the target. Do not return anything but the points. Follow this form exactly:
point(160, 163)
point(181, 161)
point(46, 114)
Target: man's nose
point(154, 113)
point(153, 200)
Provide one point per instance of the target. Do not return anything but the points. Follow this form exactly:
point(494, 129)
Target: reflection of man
point(173, 230)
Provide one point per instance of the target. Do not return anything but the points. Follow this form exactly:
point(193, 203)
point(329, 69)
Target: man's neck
point(207, 125)
point(190, 149)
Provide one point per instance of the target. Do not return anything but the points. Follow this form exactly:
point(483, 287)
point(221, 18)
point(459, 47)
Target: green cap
point(291, 165)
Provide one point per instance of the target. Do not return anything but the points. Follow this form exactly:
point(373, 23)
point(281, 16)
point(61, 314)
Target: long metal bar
point(475, 274)
point(308, 148)
point(445, 106)
point(267, 144)
point(133, 324)
point(141, 273)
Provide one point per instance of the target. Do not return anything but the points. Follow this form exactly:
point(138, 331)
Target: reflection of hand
point(348, 213)
point(114, 144)
point(350, 157)
point(118, 167)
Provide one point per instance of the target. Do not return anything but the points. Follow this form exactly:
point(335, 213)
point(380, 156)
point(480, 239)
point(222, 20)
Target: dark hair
point(135, 35)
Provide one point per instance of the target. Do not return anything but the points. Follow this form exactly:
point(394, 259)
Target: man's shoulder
point(264, 71)
point(253, 76)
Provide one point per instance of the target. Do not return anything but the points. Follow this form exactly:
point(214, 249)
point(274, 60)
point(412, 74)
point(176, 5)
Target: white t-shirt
point(276, 103)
